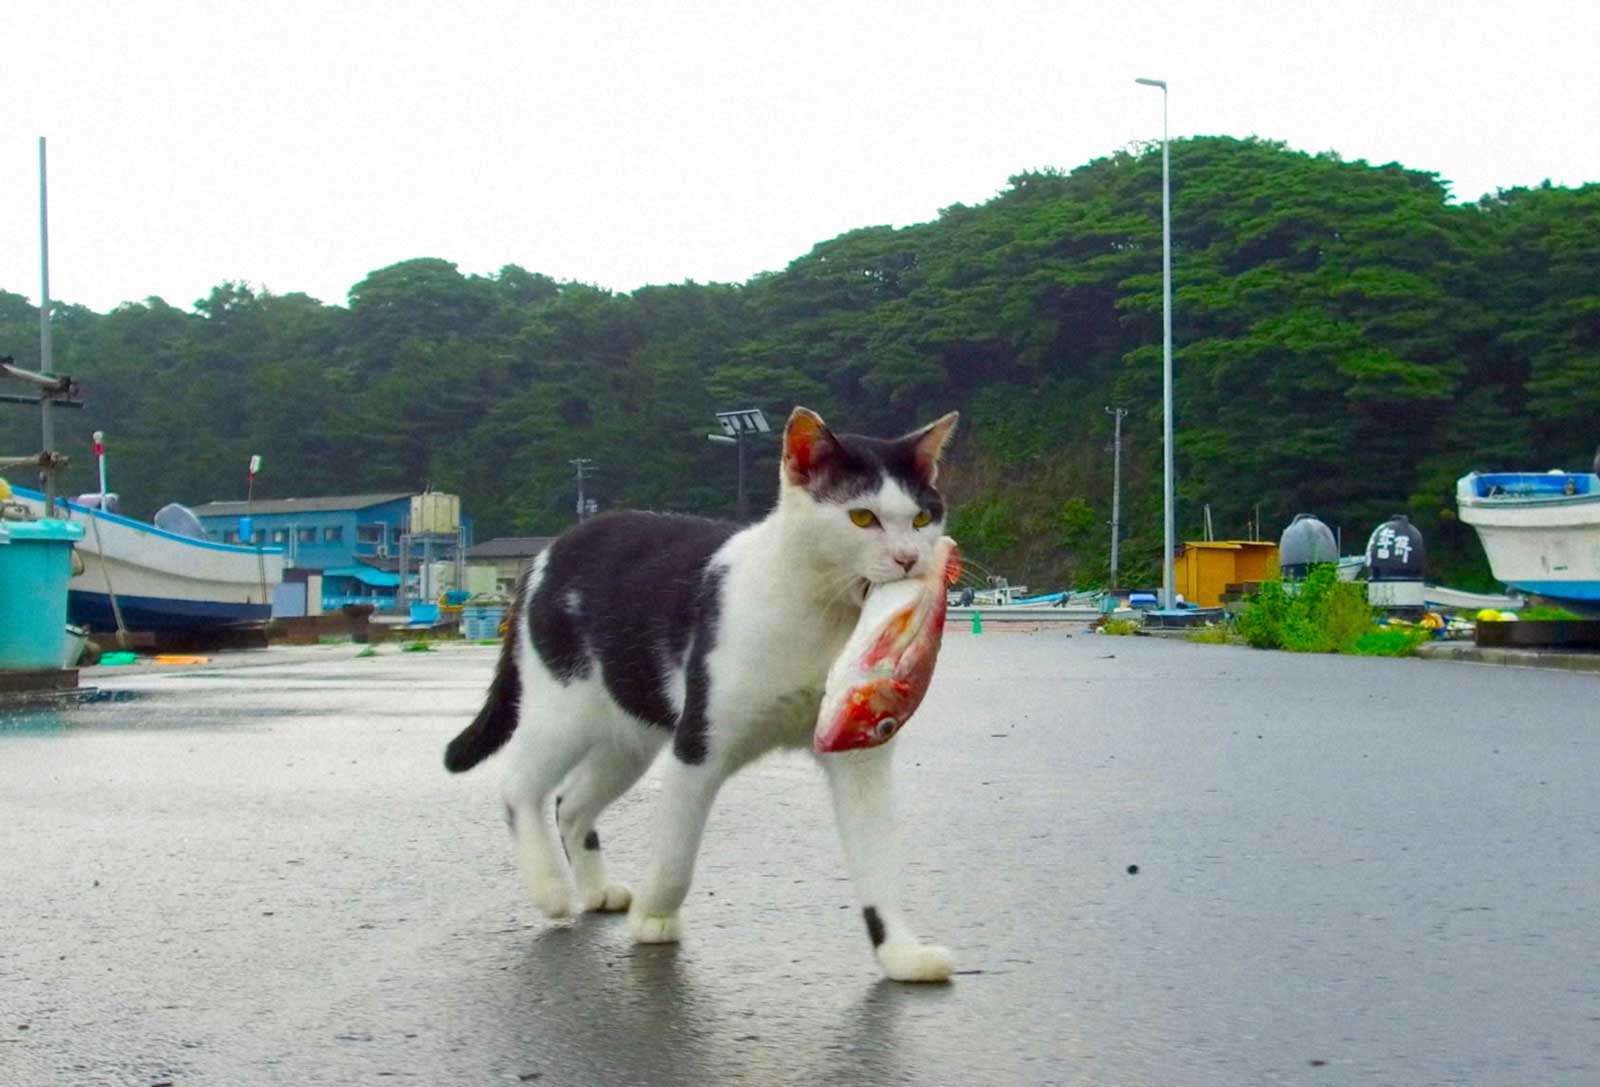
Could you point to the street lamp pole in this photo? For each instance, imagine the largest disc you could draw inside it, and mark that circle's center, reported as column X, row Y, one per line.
column 1116, row 490
column 1169, row 534
column 741, row 507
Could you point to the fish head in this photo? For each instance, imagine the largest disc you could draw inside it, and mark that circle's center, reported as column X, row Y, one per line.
column 869, row 714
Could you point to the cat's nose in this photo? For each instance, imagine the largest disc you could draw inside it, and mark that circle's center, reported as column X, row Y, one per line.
column 906, row 559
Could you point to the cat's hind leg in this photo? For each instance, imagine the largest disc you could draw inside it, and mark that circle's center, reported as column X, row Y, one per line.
column 687, row 792
column 555, row 732
column 605, row 773
column 860, row 782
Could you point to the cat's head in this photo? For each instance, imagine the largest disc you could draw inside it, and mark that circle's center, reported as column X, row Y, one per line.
column 868, row 506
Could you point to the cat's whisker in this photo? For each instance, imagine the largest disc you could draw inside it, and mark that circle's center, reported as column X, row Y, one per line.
column 845, row 591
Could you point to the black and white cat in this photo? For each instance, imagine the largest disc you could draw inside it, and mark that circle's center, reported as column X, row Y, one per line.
column 634, row 630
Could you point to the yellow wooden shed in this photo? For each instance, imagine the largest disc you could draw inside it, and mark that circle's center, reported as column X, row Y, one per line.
column 1204, row 569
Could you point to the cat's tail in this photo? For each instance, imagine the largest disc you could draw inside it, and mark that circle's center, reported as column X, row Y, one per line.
column 498, row 719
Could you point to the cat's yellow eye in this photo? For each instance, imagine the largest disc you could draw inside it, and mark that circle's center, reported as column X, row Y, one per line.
column 922, row 520
column 863, row 518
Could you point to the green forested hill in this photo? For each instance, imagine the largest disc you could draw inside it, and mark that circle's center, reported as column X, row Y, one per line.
column 1348, row 343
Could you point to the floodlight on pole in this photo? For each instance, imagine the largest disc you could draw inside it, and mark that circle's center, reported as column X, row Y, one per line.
column 735, row 425
column 1169, row 533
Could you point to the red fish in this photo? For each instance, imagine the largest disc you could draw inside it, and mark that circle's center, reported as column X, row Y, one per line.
column 878, row 682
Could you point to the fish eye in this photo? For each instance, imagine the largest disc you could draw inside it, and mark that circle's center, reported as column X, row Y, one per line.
column 922, row 520
column 863, row 518
column 886, row 726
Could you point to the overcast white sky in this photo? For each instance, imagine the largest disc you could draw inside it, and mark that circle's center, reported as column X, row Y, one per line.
column 298, row 146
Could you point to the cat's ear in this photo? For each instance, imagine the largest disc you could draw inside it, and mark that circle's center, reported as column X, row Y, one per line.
column 808, row 446
column 929, row 443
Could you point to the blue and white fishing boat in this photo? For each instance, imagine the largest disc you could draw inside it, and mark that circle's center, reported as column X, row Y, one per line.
column 161, row 580
column 138, row 576
column 1541, row 531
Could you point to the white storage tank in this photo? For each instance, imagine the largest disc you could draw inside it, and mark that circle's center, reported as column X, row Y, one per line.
column 434, row 513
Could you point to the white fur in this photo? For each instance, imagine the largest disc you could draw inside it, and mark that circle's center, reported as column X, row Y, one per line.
column 798, row 578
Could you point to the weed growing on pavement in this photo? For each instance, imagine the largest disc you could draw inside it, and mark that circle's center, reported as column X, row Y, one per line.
column 1390, row 641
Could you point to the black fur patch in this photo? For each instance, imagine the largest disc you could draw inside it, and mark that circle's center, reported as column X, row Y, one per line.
column 624, row 591
column 874, row 925
column 558, row 636
column 497, row 720
column 560, row 837
column 860, row 464
column 591, row 841
column 689, row 739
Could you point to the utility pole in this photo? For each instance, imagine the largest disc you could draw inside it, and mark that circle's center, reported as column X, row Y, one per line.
column 1116, row 489
column 584, row 467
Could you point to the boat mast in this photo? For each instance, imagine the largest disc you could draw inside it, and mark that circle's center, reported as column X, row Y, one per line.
column 47, row 476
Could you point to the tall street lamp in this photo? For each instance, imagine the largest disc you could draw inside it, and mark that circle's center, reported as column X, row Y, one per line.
column 1169, row 533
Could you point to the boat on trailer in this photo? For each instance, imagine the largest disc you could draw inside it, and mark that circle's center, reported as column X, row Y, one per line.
column 162, row 581
column 1540, row 530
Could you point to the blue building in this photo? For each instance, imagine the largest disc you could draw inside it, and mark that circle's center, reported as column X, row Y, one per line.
column 353, row 541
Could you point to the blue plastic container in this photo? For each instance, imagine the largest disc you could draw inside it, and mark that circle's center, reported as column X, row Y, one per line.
column 480, row 622
column 35, row 566
column 425, row 613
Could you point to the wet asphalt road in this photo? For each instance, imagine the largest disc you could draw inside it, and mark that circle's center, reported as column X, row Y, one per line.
column 1349, row 871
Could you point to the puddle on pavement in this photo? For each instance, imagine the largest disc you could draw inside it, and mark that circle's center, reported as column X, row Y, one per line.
column 135, row 710
column 51, row 713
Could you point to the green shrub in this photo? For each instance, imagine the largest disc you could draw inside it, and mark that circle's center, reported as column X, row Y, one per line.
column 1120, row 626
column 1211, row 634
column 1318, row 615
column 1264, row 618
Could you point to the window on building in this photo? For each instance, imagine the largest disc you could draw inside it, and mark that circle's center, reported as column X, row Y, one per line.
column 308, row 535
column 333, row 534
column 280, row 535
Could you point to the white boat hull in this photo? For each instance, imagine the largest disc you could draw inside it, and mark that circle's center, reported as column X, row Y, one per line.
column 162, row 581
column 1540, row 541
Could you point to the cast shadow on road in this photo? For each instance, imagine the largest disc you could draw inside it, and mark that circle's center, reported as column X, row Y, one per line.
column 589, row 999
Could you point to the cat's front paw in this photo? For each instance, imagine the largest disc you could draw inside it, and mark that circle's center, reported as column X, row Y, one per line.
column 916, row 962
column 654, row 928
column 612, row 898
